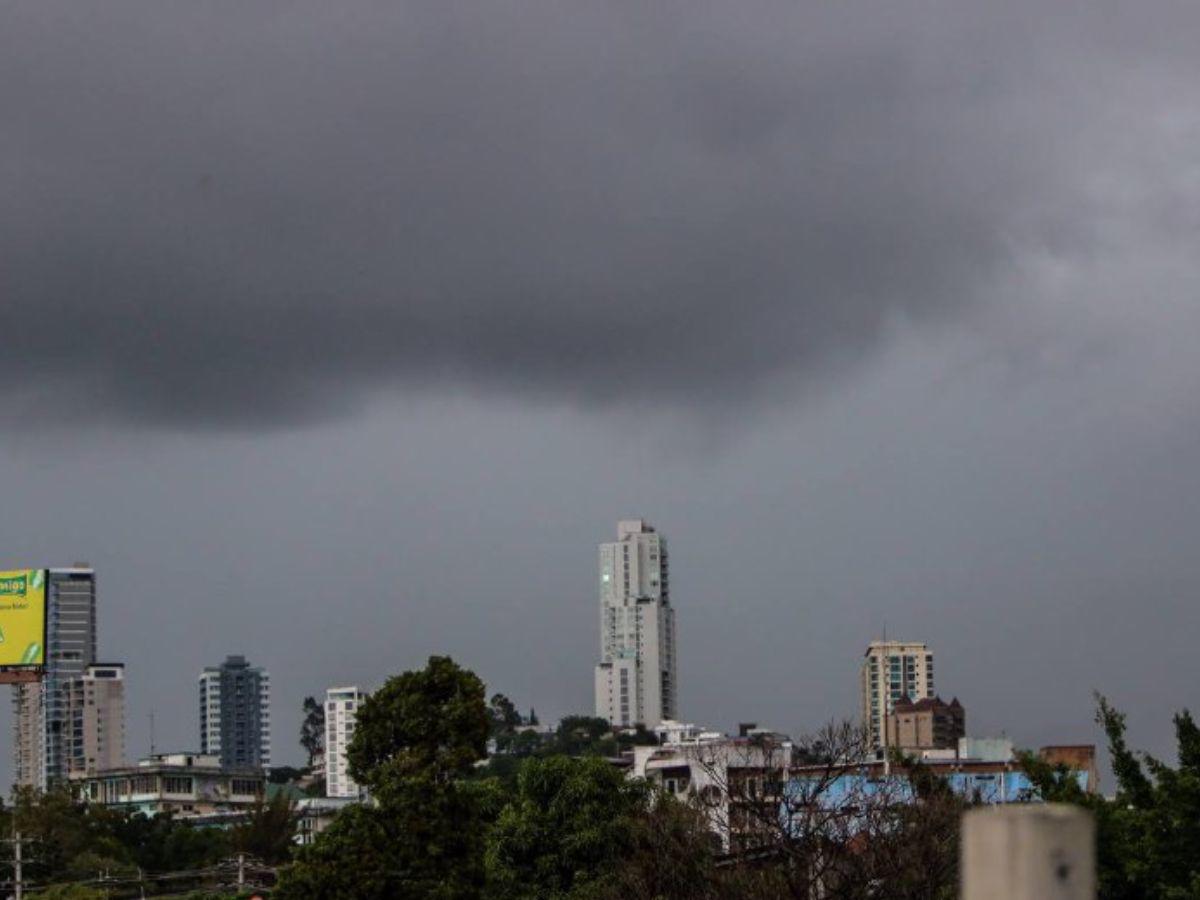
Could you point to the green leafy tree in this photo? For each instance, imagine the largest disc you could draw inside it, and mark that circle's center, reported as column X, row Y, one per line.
column 503, row 715
column 526, row 743
column 431, row 723
column 504, row 720
column 162, row 843
column 312, row 728
column 352, row 858
column 571, row 823
column 69, row 892
column 671, row 855
column 268, row 831
column 74, row 841
column 316, row 788
column 503, row 769
column 1148, row 836
column 1152, row 830
column 639, row 737
column 284, row 774
column 584, row 736
column 415, row 745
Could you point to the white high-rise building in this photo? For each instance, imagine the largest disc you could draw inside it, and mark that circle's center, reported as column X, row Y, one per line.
column 341, row 712
column 890, row 671
column 635, row 680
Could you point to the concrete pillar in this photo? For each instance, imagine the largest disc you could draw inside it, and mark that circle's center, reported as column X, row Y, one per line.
column 1029, row 852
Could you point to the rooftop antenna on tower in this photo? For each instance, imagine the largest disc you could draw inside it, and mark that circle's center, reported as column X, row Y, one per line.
column 152, row 732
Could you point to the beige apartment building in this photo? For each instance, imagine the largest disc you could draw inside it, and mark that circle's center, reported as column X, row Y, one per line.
column 892, row 671
column 92, row 733
column 95, row 720
column 29, row 732
column 929, row 724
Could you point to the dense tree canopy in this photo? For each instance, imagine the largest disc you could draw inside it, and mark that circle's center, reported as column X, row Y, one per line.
column 503, row 715
column 570, row 823
column 312, row 728
column 267, row 832
column 70, row 842
column 416, row 740
column 1148, row 836
column 430, row 723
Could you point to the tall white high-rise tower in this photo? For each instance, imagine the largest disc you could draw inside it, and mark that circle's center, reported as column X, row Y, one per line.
column 341, row 712
column 635, row 680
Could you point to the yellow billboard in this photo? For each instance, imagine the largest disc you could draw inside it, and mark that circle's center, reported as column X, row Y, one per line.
column 23, row 618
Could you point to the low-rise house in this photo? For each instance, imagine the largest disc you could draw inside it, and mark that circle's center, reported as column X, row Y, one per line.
column 981, row 770
column 671, row 732
column 738, row 781
column 189, row 785
column 752, row 786
column 315, row 814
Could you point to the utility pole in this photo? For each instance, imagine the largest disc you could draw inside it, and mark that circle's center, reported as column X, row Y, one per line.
column 241, row 870
column 18, row 886
column 18, row 861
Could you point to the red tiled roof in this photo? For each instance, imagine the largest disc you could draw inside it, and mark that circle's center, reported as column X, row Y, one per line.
column 904, row 704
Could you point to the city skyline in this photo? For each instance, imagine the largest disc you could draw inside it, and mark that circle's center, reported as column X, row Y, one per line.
column 340, row 338
column 633, row 574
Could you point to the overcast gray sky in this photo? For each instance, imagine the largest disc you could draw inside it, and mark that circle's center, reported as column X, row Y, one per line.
column 338, row 335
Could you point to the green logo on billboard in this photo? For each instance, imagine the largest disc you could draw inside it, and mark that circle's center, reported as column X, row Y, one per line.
column 14, row 585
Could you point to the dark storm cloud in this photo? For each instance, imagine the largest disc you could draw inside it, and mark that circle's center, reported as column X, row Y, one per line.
column 227, row 212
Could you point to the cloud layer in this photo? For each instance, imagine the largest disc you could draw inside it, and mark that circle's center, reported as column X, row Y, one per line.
column 223, row 214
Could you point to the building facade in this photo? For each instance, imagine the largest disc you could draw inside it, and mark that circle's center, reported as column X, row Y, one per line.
column 188, row 785
column 981, row 771
column 928, row 724
column 891, row 671
column 235, row 714
column 748, row 786
column 29, row 736
column 734, row 781
column 41, row 731
column 635, row 681
column 96, row 720
column 341, row 711
column 315, row 814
